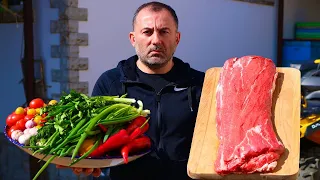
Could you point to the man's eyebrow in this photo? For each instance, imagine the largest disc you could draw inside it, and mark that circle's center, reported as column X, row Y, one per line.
column 161, row 29
column 146, row 28
column 164, row 28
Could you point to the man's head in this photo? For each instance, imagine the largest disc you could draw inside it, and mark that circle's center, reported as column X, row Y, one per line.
column 155, row 34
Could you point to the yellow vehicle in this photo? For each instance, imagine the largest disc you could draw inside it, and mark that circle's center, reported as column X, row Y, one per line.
column 310, row 118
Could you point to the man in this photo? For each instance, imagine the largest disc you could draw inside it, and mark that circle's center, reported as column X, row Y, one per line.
column 168, row 87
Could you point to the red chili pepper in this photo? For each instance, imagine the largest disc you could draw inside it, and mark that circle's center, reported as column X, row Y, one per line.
column 134, row 146
column 114, row 142
column 104, row 129
column 139, row 130
column 137, row 122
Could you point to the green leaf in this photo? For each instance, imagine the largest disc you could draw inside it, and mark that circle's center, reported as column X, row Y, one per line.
column 80, row 114
column 59, row 128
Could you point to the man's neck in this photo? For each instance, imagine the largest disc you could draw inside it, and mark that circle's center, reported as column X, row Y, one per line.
column 163, row 70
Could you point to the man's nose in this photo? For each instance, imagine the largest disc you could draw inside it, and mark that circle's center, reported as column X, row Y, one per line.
column 156, row 39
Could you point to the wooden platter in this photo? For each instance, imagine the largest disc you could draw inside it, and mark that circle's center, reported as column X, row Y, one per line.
column 101, row 162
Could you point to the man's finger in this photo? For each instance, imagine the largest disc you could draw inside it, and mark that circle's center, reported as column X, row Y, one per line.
column 96, row 172
column 60, row 166
column 77, row 171
column 88, row 171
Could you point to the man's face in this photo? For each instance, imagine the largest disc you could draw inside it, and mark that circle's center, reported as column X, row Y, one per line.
column 155, row 37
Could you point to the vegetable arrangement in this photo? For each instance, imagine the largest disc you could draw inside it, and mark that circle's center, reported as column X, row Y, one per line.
column 79, row 126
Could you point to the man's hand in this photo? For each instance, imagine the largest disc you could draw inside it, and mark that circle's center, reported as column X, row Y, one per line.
column 86, row 171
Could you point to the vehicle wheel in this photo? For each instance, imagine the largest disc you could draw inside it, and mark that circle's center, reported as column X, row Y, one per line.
column 309, row 160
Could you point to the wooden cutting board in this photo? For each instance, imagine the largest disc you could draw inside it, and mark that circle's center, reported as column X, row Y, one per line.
column 286, row 100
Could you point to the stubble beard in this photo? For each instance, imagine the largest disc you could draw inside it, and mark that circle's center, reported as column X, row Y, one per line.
column 154, row 61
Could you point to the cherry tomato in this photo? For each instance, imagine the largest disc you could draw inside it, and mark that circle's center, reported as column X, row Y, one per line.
column 44, row 115
column 21, row 124
column 16, row 117
column 38, row 111
column 37, row 119
column 26, row 110
column 38, row 126
column 31, row 112
column 19, row 110
column 36, row 103
column 28, row 117
column 9, row 121
column 42, row 121
column 52, row 102
column 13, row 128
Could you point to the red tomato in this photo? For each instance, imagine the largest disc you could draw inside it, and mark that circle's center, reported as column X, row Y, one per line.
column 13, row 128
column 26, row 110
column 9, row 121
column 42, row 122
column 36, row 103
column 44, row 115
column 28, row 117
column 16, row 117
column 21, row 124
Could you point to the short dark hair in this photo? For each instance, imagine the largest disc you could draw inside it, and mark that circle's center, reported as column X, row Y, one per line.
column 156, row 7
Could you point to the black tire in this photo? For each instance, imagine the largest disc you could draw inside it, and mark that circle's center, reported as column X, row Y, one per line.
column 309, row 160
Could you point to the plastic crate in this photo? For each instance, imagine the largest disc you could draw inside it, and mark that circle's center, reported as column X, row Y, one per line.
column 296, row 50
column 315, row 50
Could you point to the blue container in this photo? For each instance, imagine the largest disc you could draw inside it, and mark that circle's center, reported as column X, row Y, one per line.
column 315, row 50
column 296, row 50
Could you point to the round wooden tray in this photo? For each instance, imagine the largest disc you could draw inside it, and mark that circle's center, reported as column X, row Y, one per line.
column 102, row 162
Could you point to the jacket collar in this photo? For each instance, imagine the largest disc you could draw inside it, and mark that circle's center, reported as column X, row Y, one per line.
column 128, row 71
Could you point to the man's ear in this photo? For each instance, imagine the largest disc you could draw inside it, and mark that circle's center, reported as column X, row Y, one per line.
column 132, row 38
column 178, row 37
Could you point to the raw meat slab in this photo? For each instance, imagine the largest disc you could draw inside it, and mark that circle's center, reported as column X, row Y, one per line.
column 286, row 111
column 248, row 141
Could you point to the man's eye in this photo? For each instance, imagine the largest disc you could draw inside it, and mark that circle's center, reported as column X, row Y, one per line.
column 146, row 32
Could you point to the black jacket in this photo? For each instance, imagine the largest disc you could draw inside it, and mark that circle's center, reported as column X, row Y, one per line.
column 173, row 115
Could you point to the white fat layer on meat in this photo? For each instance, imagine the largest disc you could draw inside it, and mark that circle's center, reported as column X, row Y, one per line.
column 267, row 167
column 223, row 164
column 220, row 91
column 252, row 131
column 238, row 64
column 274, row 83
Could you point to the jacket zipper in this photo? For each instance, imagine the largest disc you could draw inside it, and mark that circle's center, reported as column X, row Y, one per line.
column 158, row 97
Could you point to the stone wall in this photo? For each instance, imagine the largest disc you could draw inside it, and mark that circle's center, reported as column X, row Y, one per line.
column 67, row 52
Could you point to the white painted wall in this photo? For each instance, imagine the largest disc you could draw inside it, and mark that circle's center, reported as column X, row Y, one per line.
column 299, row 11
column 212, row 31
